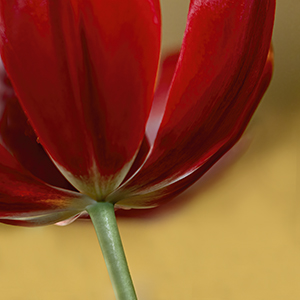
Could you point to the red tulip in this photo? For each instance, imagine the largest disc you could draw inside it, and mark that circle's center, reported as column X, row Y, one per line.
column 84, row 72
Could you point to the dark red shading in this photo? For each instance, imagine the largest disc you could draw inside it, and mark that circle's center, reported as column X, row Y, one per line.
column 27, row 201
column 168, row 192
column 211, row 99
column 84, row 72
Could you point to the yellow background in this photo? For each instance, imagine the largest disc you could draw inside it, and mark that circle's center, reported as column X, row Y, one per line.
column 233, row 237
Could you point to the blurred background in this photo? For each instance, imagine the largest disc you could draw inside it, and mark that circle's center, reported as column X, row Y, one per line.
column 233, row 236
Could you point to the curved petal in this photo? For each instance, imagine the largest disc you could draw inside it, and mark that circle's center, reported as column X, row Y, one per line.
column 41, row 219
column 222, row 59
column 166, row 73
column 24, row 200
column 84, row 71
column 157, row 110
column 20, row 139
column 167, row 193
column 140, row 158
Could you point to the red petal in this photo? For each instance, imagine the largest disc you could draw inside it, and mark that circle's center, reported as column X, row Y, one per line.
column 157, row 110
column 222, row 59
column 140, row 158
column 20, row 139
column 84, row 72
column 7, row 160
column 161, row 95
column 167, row 193
column 24, row 200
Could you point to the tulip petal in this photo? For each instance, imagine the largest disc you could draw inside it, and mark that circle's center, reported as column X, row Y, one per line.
column 26, row 201
column 157, row 110
column 222, row 59
column 84, row 72
column 20, row 139
column 168, row 192
column 140, row 158
column 161, row 95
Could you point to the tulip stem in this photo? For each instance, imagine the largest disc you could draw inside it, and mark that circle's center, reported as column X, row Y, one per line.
column 104, row 220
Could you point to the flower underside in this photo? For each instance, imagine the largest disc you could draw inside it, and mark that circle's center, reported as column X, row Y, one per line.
column 84, row 119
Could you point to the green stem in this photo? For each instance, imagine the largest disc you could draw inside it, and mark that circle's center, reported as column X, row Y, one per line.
column 104, row 220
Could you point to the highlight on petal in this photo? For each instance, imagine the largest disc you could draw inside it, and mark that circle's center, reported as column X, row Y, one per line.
column 166, row 73
column 168, row 192
column 82, row 215
column 26, row 201
column 84, row 72
column 140, row 158
column 211, row 99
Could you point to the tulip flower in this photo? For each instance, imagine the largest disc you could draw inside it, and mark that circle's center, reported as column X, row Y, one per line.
column 83, row 128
